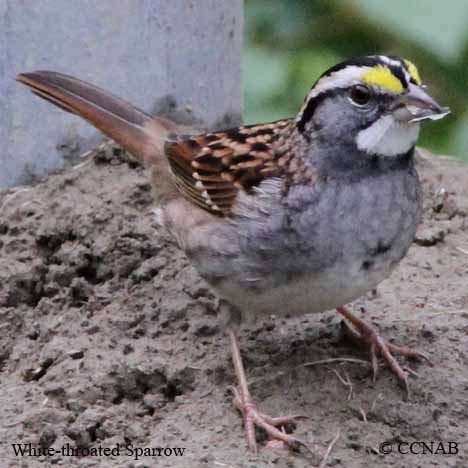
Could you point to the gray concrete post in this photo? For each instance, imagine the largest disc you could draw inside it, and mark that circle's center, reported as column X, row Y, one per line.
column 154, row 53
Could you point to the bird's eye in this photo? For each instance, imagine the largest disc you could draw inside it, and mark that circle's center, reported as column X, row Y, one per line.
column 360, row 95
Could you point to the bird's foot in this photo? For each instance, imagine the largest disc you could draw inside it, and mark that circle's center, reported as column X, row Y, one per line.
column 255, row 418
column 366, row 336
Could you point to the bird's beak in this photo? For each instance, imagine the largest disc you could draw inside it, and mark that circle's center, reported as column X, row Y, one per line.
column 416, row 105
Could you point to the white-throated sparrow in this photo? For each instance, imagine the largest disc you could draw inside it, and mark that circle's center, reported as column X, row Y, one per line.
column 294, row 216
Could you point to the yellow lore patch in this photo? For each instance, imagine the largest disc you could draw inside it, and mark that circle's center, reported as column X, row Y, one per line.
column 380, row 75
column 413, row 71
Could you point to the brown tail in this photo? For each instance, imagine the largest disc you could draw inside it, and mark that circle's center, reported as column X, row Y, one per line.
column 135, row 130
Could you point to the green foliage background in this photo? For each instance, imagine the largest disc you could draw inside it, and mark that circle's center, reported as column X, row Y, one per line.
column 289, row 43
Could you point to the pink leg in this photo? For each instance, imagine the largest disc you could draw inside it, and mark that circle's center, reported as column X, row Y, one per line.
column 252, row 416
column 366, row 336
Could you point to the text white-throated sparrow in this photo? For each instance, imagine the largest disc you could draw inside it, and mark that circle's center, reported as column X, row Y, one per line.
column 295, row 216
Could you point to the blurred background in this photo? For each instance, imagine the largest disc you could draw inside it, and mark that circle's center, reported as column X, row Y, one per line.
column 289, row 43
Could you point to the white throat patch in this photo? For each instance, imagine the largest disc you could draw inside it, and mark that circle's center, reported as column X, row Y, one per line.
column 388, row 137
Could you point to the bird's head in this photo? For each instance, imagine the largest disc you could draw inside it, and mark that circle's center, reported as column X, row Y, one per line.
column 373, row 103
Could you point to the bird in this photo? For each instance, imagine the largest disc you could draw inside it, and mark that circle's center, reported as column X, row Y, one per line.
column 296, row 216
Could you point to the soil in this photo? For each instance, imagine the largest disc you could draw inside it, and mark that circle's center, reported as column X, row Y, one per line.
column 109, row 336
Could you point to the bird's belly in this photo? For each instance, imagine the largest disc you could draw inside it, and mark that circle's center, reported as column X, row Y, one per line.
column 308, row 293
column 316, row 253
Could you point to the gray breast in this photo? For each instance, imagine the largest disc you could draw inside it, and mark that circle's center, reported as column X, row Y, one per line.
column 312, row 249
column 332, row 237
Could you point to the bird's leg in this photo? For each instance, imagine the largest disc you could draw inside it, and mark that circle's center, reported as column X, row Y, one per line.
column 252, row 416
column 367, row 336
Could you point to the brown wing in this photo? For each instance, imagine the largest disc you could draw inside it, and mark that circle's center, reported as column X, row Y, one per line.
column 211, row 169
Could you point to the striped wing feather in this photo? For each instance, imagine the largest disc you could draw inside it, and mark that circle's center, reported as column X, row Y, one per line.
column 211, row 169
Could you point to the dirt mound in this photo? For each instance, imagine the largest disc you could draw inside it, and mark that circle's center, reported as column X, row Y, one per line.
column 111, row 340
